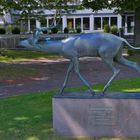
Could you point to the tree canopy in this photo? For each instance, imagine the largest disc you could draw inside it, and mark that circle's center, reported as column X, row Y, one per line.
column 121, row 5
column 27, row 7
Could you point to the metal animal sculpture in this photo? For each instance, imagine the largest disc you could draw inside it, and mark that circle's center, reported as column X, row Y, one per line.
column 107, row 46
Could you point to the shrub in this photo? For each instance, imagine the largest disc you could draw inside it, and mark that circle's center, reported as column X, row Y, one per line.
column 131, row 52
column 114, row 30
column 121, row 32
column 54, row 30
column 66, row 30
column 78, row 30
column 107, row 28
column 16, row 30
column 2, row 31
column 45, row 32
column 9, row 29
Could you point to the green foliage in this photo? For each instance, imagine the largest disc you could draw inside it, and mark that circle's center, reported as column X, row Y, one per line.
column 9, row 29
column 114, row 29
column 121, row 32
column 2, row 31
column 34, row 7
column 66, row 30
column 95, row 4
column 122, row 5
column 54, row 30
column 78, row 30
column 130, row 52
column 45, row 32
column 16, row 30
column 107, row 28
column 125, row 5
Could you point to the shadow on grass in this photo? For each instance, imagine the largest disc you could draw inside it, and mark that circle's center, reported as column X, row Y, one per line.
column 29, row 117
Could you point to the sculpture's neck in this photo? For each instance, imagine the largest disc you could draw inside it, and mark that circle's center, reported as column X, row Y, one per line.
column 54, row 47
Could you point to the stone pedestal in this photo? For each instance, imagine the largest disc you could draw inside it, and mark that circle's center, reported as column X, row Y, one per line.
column 116, row 114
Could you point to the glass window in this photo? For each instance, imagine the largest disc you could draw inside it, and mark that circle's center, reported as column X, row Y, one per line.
column 70, row 23
column 130, row 24
column 113, row 21
column 105, row 21
column 32, row 24
column 51, row 22
column 59, row 23
column 24, row 25
column 43, row 23
column 78, row 23
column 97, row 23
column 86, row 23
column 123, row 21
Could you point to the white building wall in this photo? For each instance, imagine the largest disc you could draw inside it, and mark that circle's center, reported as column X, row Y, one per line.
column 91, row 23
column 38, row 24
column 119, row 22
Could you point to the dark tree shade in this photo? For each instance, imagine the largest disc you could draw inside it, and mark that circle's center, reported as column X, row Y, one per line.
column 122, row 5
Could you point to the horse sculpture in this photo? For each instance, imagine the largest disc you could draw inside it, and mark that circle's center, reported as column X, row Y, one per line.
column 107, row 46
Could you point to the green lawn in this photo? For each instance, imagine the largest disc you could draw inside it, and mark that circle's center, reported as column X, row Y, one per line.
column 29, row 117
column 23, row 55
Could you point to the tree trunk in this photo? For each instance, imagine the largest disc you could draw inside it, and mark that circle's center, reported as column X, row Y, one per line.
column 137, row 26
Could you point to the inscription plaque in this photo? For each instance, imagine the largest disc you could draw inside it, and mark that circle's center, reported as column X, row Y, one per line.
column 101, row 116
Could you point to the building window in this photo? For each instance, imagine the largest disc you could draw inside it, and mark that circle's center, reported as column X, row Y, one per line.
column 105, row 21
column 113, row 21
column 70, row 23
column 86, row 23
column 130, row 24
column 32, row 24
column 59, row 23
column 24, row 25
column 43, row 23
column 78, row 23
column 51, row 22
column 97, row 23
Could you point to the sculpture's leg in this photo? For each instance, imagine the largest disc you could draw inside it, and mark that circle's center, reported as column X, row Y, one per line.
column 76, row 69
column 115, row 71
column 66, row 78
column 129, row 63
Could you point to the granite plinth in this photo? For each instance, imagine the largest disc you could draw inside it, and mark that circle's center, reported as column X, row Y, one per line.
column 115, row 114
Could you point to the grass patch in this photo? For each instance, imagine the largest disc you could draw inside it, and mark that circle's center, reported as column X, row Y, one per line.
column 23, row 55
column 29, row 117
column 135, row 58
column 16, row 72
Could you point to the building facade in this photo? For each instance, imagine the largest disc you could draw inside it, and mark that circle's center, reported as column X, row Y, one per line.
column 86, row 20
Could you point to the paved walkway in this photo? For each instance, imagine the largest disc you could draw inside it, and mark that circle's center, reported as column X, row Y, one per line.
column 53, row 74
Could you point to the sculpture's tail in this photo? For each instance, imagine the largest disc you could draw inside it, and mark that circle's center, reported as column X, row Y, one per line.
column 129, row 45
